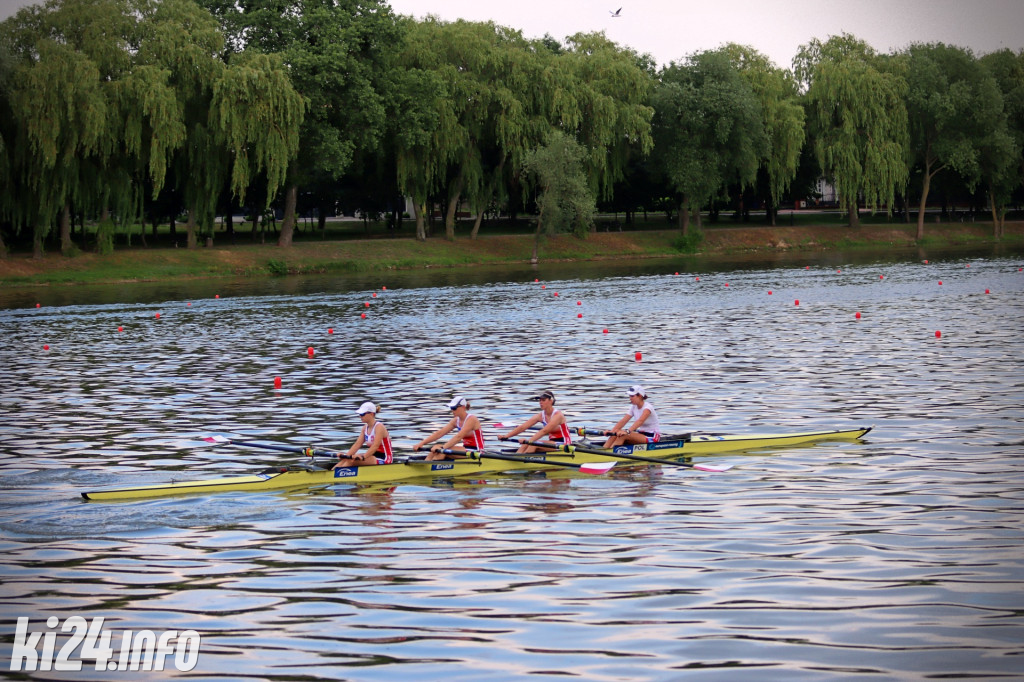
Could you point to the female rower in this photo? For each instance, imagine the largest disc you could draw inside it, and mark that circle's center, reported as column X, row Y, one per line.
column 552, row 424
column 645, row 427
column 374, row 437
column 469, row 434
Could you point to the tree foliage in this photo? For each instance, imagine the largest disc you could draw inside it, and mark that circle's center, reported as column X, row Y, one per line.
column 858, row 120
column 708, row 130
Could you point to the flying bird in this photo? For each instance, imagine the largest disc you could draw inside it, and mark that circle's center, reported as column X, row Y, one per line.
column 615, row 13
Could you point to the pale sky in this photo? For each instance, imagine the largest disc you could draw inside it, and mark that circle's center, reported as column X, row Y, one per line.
column 669, row 30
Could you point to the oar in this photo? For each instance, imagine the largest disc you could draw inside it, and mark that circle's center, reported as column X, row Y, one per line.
column 584, row 431
column 590, row 468
column 296, row 449
column 638, row 458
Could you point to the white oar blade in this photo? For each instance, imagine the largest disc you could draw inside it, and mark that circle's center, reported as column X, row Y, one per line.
column 216, row 439
column 597, row 469
column 716, row 469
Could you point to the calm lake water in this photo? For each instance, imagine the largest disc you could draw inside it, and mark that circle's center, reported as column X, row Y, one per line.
column 899, row 557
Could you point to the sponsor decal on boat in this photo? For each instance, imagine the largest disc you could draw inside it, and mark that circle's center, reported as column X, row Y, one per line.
column 346, row 472
column 666, row 445
column 443, row 466
column 89, row 641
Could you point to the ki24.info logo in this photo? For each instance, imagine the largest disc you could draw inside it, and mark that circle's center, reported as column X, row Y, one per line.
column 89, row 641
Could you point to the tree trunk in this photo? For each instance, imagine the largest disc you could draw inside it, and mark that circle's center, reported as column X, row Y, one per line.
column 3, row 248
column 997, row 227
column 37, row 242
column 453, row 205
column 322, row 223
column 854, row 213
column 190, row 229
column 697, row 217
column 684, row 217
column 924, row 200
column 291, row 197
column 536, row 239
column 421, row 229
column 66, row 244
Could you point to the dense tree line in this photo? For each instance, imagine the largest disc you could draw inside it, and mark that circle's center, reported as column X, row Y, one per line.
column 134, row 111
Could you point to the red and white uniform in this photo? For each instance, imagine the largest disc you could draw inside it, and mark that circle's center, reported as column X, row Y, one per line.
column 384, row 453
column 561, row 433
column 475, row 440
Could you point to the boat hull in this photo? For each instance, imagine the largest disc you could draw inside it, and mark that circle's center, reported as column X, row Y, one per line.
column 272, row 479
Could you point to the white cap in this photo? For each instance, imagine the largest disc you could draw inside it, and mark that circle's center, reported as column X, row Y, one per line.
column 456, row 401
column 636, row 389
column 365, row 408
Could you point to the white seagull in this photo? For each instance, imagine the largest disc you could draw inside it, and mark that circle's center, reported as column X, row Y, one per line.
column 615, row 13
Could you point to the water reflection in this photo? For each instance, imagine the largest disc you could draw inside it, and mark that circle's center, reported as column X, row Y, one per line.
column 898, row 557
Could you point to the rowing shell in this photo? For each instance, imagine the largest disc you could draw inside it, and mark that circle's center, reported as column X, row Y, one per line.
column 290, row 477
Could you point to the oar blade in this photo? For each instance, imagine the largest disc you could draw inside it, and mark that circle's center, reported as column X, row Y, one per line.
column 597, row 468
column 719, row 468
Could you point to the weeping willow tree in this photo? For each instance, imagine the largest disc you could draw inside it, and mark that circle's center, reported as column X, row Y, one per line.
column 599, row 94
column 257, row 114
column 67, row 57
column 781, row 115
column 239, row 119
column 858, row 120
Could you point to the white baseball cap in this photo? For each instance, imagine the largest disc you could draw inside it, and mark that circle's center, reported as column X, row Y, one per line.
column 456, row 401
column 365, row 408
column 636, row 389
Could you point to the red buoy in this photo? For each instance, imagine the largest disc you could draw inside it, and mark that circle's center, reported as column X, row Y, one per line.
column 556, row 293
column 217, row 296
column 696, row 279
column 543, row 286
column 857, row 316
column 47, row 347
column 940, row 282
column 881, row 277
column 579, row 302
column 796, row 302
column 189, row 304
column 38, row 304
column 986, row 291
column 367, row 304
column 363, row 315
column 726, row 284
column 638, row 356
column 938, row 334
column 579, row 314
column 310, row 352
column 769, row 292
column 375, row 294
column 330, row 330
column 277, row 382
column 158, row 316
column 604, row 331
column 121, row 329
column 383, row 288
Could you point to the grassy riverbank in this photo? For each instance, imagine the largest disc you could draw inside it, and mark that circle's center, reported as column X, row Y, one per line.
column 390, row 253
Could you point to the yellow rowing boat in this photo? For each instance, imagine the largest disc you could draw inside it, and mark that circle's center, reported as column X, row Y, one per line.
column 479, row 463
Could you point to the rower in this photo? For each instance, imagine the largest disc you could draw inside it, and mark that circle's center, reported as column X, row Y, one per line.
column 552, row 424
column 645, row 427
column 469, row 433
column 373, row 436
